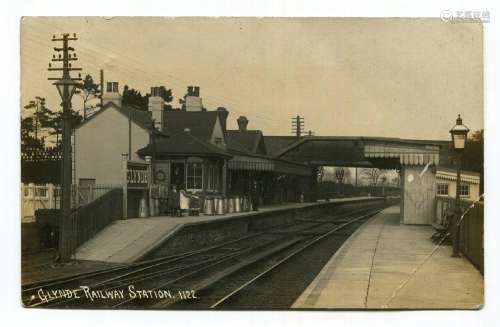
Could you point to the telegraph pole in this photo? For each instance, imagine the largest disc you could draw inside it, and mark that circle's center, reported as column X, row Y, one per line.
column 66, row 86
column 298, row 126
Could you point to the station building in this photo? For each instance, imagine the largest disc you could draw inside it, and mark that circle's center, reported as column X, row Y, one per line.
column 190, row 147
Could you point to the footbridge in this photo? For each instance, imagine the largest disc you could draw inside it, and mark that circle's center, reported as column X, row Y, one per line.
column 416, row 161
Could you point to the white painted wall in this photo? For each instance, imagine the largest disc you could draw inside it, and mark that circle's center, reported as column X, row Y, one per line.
column 99, row 144
column 452, row 188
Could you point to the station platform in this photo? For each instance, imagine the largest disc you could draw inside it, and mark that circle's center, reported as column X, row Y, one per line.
column 125, row 241
column 386, row 265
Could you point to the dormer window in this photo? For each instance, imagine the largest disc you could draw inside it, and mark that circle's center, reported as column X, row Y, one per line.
column 218, row 141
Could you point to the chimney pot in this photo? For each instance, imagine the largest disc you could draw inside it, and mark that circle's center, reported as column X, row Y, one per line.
column 155, row 106
column 242, row 123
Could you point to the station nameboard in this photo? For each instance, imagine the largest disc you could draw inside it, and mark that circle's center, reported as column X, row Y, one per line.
column 137, row 175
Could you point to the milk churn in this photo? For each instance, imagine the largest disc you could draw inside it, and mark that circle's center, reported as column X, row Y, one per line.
column 230, row 205
column 143, row 208
column 208, row 206
column 219, row 206
column 237, row 204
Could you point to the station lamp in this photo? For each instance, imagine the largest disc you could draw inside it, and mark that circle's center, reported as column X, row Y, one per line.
column 459, row 137
column 61, row 84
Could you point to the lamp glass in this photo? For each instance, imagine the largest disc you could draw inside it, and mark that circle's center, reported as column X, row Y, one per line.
column 459, row 134
column 60, row 88
column 459, row 141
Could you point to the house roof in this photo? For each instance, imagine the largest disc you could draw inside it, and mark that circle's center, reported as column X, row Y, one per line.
column 200, row 123
column 140, row 117
column 234, row 146
column 248, row 139
column 183, row 144
column 275, row 144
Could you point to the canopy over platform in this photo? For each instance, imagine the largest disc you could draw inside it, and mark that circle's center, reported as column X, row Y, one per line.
column 265, row 163
column 385, row 153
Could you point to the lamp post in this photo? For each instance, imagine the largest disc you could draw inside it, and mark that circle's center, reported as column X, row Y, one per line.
column 459, row 137
column 66, row 86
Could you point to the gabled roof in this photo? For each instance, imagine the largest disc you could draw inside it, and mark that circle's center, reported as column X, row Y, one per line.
column 140, row 117
column 183, row 144
column 275, row 144
column 249, row 139
column 201, row 123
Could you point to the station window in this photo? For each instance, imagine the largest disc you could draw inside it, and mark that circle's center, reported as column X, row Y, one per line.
column 464, row 190
column 213, row 177
column 442, row 189
column 194, row 176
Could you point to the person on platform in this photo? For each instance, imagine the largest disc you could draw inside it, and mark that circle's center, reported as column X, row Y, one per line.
column 254, row 195
column 184, row 202
column 173, row 202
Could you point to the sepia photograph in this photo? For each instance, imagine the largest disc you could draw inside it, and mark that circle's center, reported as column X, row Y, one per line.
column 252, row 163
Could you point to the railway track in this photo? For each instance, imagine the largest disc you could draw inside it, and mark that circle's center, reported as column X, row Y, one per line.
column 205, row 278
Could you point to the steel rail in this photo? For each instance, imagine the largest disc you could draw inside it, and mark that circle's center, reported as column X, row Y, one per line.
column 295, row 252
column 157, row 262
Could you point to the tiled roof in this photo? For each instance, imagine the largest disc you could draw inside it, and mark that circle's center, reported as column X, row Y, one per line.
column 138, row 116
column 183, row 144
column 275, row 144
column 201, row 123
column 234, row 146
column 248, row 139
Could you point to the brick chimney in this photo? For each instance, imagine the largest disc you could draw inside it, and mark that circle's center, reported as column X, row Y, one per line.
column 223, row 113
column 111, row 94
column 193, row 100
column 242, row 123
column 155, row 106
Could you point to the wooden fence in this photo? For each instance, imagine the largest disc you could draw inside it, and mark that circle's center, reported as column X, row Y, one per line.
column 47, row 196
column 471, row 227
column 35, row 197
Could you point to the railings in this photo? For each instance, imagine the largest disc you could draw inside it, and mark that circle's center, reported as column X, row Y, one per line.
column 91, row 218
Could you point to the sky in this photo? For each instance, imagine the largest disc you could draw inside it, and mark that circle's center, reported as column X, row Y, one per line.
column 398, row 77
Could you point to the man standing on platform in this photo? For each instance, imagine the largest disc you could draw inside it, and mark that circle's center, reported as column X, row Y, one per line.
column 254, row 195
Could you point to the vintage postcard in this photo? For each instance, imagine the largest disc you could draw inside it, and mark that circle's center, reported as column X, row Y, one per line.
column 252, row 163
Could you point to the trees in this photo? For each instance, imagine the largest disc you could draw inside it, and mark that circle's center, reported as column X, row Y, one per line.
column 37, row 125
column 55, row 126
column 88, row 90
column 134, row 97
column 339, row 174
column 371, row 175
column 36, row 119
